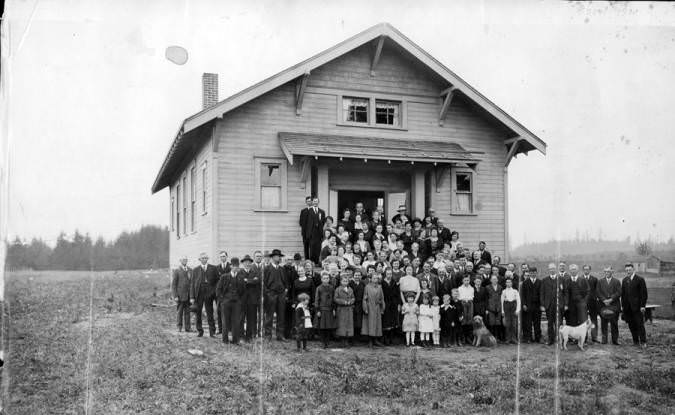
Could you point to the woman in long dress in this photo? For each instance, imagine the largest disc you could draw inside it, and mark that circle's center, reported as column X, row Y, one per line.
column 393, row 305
column 373, row 308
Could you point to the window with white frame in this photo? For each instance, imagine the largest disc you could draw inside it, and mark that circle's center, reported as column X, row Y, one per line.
column 178, row 210
column 388, row 113
column 193, row 197
column 270, row 182
column 463, row 190
column 355, row 109
column 171, row 215
column 204, row 187
column 185, row 191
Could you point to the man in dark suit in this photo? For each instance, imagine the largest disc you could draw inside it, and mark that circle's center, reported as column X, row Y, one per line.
column 577, row 297
column 230, row 290
column 530, row 300
column 276, row 295
column 303, row 223
column 552, row 300
column 609, row 294
column 223, row 268
column 203, row 292
column 180, row 287
column 633, row 302
column 592, row 303
column 251, row 301
column 313, row 229
column 481, row 255
column 443, row 232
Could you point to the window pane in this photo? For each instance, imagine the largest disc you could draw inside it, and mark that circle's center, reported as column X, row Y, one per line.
column 270, row 174
column 355, row 109
column 270, row 197
column 463, row 202
column 387, row 112
column 463, row 182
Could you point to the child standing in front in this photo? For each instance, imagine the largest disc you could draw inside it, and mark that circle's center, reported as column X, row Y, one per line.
column 436, row 320
column 410, row 310
column 510, row 308
column 323, row 304
column 303, row 321
column 465, row 295
column 426, row 324
column 344, row 300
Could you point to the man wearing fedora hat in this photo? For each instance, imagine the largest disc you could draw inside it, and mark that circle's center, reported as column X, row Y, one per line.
column 251, row 299
column 609, row 293
column 203, row 292
column 276, row 293
column 230, row 290
column 633, row 302
column 401, row 215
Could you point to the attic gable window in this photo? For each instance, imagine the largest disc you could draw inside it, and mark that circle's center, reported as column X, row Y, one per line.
column 387, row 113
column 355, row 109
column 371, row 110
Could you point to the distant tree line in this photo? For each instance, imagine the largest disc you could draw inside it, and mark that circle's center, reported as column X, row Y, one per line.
column 142, row 249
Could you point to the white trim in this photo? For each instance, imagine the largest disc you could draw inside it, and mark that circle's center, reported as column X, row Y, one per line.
column 372, row 103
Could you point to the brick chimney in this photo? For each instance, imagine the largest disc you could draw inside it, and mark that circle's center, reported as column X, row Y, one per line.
column 209, row 90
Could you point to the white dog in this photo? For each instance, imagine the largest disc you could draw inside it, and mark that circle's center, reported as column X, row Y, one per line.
column 580, row 332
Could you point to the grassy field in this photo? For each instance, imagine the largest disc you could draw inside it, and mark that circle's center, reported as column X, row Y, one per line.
column 127, row 358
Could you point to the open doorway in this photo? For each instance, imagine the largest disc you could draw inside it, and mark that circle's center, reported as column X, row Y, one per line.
column 349, row 198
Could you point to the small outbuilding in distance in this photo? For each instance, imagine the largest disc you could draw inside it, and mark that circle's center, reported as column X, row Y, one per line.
column 373, row 119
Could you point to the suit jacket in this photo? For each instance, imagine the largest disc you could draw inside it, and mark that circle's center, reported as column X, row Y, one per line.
column 275, row 280
column 485, row 258
column 252, row 285
column 443, row 287
column 230, row 287
column 553, row 291
column 204, row 282
column 223, row 270
column 303, row 220
column 577, row 291
column 592, row 292
column 609, row 291
column 180, row 283
column 530, row 294
column 633, row 293
column 313, row 228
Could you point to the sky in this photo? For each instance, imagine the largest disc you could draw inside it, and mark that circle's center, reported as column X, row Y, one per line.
column 91, row 104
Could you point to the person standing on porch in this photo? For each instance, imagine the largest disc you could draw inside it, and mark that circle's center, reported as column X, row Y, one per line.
column 359, row 210
column 303, row 222
column 313, row 229
column 402, row 215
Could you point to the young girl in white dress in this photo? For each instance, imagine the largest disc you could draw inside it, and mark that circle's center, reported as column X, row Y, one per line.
column 410, row 310
column 426, row 322
column 436, row 320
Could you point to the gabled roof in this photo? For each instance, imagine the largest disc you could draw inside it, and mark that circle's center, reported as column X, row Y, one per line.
column 304, row 67
column 328, row 145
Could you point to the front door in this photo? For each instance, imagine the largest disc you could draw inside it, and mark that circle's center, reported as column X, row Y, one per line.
column 347, row 199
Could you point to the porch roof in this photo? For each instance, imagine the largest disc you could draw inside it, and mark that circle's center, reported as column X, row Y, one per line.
column 341, row 146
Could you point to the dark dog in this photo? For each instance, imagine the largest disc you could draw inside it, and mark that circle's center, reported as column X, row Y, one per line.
column 481, row 335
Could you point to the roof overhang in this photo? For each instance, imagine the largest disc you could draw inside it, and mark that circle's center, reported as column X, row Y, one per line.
column 374, row 148
column 380, row 31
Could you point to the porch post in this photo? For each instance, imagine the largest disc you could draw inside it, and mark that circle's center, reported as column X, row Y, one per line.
column 322, row 186
column 418, row 193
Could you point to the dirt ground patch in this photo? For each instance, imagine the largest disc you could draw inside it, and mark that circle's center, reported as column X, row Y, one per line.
column 138, row 363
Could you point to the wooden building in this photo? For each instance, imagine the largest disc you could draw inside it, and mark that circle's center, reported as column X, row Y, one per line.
column 374, row 118
column 663, row 264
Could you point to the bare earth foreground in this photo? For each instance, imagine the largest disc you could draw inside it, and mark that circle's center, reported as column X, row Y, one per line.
column 126, row 357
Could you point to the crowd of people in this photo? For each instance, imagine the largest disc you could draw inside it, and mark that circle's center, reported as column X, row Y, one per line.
column 410, row 280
